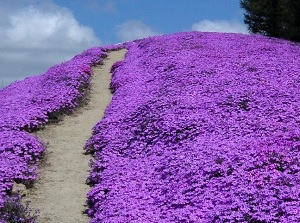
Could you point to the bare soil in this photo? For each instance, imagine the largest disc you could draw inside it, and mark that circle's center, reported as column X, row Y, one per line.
column 60, row 191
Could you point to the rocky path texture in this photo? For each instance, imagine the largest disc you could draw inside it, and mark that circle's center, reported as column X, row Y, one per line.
column 60, row 191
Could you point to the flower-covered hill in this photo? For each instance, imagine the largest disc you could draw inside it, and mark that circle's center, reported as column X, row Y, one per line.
column 28, row 105
column 203, row 127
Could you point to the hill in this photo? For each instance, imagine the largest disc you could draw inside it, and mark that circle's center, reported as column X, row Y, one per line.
column 202, row 127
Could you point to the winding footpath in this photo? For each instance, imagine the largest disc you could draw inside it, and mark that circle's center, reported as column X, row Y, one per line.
column 60, row 191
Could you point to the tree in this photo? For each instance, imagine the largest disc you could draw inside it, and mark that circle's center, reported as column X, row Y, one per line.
column 293, row 19
column 277, row 18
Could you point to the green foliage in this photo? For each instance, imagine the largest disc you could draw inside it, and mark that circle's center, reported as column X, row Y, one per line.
column 277, row 18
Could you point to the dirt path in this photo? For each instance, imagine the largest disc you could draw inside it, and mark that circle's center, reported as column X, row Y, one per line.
column 60, row 191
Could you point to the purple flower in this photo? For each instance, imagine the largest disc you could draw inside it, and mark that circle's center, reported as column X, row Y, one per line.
column 203, row 127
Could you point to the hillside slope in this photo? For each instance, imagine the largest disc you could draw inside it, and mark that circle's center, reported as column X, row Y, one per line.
column 202, row 127
column 27, row 106
column 61, row 186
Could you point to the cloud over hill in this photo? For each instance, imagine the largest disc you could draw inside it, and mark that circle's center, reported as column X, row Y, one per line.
column 134, row 29
column 42, row 34
column 223, row 26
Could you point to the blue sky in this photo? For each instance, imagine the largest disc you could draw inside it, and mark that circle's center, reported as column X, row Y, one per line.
column 161, row 16
column 37, row 34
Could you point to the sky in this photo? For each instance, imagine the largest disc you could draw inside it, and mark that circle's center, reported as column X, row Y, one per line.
column 37, row 34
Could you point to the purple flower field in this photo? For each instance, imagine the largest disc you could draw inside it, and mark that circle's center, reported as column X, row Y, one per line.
column 28, row 105
column 202, row 128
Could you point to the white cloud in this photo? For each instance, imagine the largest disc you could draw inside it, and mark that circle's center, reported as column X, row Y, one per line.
column 35, row 37
column 220, row 26
column 133, row 29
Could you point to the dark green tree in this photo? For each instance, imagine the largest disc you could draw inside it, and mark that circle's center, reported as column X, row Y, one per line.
column 293, row 19
column 277, row 18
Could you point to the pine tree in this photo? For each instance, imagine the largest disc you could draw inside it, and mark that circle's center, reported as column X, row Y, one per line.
column 277, row 18
column 262, row 16
column 294, row 19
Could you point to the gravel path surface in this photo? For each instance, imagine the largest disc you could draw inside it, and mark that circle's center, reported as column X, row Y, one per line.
column 60, row 191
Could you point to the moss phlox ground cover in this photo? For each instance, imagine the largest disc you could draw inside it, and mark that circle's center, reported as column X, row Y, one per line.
column 202, row 127
column 28, row 105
